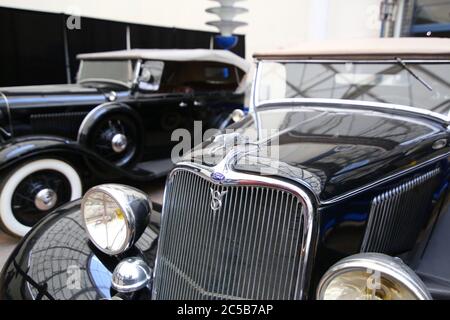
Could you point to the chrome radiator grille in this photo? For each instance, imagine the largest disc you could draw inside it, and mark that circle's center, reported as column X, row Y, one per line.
column 397, row 216
column 250, row 248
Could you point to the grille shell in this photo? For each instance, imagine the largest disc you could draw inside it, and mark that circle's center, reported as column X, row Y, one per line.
column 256, row 246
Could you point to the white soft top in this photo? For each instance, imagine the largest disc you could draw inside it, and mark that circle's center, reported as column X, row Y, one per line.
column 222, row 56
column 427, row 47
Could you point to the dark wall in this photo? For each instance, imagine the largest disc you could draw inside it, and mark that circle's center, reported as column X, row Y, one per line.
column 94, row 36
column 32, row 46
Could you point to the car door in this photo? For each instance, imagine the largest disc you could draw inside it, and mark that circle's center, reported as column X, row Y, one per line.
column 162, row 114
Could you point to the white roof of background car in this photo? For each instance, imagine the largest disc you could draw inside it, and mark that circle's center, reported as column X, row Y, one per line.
column 372, row 48
column 222, row 56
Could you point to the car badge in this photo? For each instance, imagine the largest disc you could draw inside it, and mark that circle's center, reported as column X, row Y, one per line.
column 216, row 199
column 217, row 176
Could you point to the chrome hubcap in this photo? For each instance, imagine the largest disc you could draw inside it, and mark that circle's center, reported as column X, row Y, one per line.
column 45, row 199
column 119, row 142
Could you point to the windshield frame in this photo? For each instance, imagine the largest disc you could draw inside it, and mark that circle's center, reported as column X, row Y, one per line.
column 256, row 103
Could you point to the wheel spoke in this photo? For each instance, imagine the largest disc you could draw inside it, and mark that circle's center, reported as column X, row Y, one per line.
column 102, row 146
column 122, row 128
column 21, row 196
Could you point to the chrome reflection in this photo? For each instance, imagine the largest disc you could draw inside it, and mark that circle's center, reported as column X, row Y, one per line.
column 115, row 216
column 130, row 275
column 105, row 221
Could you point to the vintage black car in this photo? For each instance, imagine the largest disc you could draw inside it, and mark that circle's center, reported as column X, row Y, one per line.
column 335, row 186
column 114, row 123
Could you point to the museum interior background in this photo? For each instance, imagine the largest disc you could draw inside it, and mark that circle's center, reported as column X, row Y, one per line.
column 37, row 48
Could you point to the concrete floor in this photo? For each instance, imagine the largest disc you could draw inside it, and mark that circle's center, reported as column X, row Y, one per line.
column 7, row 243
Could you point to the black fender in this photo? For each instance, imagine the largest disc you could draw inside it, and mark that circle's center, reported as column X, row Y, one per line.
column 23, row 148
column 102, row 111
column 56, row 259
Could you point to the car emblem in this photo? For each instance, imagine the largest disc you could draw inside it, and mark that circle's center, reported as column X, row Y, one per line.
column 217, row 176
column 216, row 199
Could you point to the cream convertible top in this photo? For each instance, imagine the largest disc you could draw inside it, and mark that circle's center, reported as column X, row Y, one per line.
column 221, row 56
column 434, row 48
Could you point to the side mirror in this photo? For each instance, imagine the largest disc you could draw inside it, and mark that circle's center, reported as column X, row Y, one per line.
column 150, row 76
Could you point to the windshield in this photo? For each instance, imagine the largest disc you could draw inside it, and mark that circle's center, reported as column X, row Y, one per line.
column 109, row 71
column 200, row 76
column 379, row 81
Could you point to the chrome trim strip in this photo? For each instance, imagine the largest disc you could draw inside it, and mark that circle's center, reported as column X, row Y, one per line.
column 137, row 71
column 253, row 95
column 234, row 178
column 377, row 106
column 383, row 180
column 374, row 61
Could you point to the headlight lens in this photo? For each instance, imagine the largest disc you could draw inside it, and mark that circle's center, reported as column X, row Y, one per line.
column 237, row 115
column 371, row 276
column 115, row 216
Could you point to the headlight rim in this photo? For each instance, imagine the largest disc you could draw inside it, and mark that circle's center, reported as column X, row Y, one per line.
column 391, row 267
column 117, row 192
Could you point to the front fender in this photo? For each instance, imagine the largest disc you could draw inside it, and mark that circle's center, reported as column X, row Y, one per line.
column 18, row 149
column 103, row 110
column 56, row 260
column 22, row 148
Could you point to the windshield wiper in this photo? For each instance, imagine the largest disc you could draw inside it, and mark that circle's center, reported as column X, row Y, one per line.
column 403, row 64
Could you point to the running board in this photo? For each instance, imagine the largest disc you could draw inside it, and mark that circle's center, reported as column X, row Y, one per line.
column 157, row 168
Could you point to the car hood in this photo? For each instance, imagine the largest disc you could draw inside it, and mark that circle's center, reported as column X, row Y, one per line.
column 332, row 150
column 48, row 95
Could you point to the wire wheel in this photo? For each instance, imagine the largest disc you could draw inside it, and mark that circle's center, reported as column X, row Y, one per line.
column 38, row 194
column 116, row 138
column 33, row 190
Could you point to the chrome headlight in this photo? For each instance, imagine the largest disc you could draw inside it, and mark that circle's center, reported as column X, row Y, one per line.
column 115, row 216
column 371, row 276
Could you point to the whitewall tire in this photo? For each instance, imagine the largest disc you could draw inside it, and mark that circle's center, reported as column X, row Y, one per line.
column 32, row 190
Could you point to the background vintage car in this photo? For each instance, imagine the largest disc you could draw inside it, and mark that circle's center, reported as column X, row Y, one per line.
column 115, row 123
column 350, row 177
